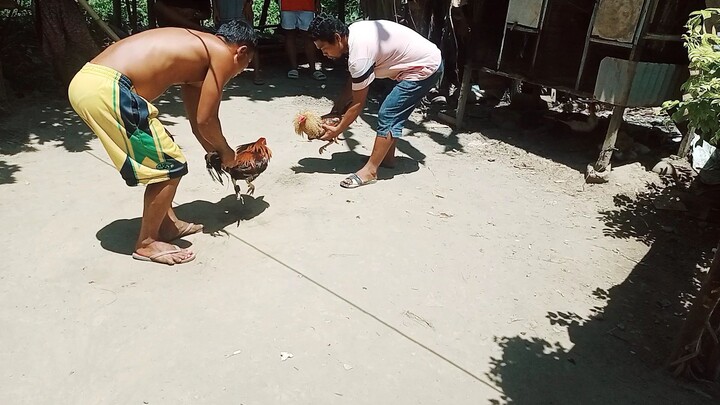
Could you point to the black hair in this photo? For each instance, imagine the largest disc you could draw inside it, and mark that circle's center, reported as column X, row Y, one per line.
column 324, row 27
column 238, row 32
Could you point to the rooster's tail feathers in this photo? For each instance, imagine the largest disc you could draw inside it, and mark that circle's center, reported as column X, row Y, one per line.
column 214, row 168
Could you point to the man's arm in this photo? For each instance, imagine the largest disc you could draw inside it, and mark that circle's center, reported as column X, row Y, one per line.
column 191, row 98
column 208, row 106
column 356, row 107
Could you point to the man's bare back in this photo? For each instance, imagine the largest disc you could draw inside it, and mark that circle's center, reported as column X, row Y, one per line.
column 201, row 63
column 156, row 59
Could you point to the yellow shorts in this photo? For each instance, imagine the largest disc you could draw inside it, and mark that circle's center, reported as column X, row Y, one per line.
column 127, row 126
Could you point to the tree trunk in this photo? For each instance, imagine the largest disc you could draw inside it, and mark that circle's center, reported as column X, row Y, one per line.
column 65, row 37
column 3, row 92
column 698, row 353
column 381, row 9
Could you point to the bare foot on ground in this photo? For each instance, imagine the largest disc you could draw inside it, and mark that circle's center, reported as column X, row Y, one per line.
column 170, row 231
column 165, row 253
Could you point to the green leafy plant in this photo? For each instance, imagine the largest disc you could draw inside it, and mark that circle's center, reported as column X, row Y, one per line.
column 104, row 8
column 700, row 105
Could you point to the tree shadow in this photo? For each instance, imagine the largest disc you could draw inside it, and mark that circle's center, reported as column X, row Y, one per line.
column 54, row 122
column 620, row 351
column 27, row 126
column 119, row 236
column 7, row 172
column 349, row 162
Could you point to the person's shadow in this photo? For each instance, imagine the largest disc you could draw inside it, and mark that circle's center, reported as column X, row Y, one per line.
column 119, row 236
column 349, row 162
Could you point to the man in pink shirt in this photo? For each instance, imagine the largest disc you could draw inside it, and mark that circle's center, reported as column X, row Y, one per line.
column 378, row 49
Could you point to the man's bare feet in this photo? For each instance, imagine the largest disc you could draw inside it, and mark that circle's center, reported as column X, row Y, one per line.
column 165, row 253
column 170, row 231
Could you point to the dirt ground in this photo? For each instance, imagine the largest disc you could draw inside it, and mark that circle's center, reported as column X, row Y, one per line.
column 481, row 270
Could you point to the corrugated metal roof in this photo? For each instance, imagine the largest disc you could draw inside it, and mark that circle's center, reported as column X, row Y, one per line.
column 653, row 83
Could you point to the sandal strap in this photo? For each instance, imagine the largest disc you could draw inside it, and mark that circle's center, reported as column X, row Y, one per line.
column 354, row 178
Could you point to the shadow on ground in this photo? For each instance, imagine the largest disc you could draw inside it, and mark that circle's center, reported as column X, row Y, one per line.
column 37, row 122
column 119, row 236
column 349, row 162
column 619, row 353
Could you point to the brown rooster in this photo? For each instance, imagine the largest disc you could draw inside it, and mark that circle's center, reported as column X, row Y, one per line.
column 310, row 124
column 251, row 160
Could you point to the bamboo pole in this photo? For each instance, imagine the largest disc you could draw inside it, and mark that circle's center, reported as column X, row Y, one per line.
column 99, row 20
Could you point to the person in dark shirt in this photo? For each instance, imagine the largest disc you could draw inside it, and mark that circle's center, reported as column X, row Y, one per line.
column 182, row 13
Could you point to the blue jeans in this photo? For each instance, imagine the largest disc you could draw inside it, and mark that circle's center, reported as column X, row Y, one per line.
column 401, row 102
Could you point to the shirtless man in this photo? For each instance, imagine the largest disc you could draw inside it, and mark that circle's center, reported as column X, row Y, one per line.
column 112, row 92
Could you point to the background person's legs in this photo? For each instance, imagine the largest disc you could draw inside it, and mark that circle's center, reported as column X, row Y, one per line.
column 291, row 50
column 311, row 54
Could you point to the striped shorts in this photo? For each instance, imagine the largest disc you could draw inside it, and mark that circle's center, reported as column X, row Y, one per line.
column 127, row 125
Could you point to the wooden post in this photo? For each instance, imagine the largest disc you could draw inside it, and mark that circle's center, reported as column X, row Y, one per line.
column 4, row 5
column 597, row 173
column 133, row 16
column 464, row 92
column 341, row 10
column 117, row 13
column 152, row 21
column 688, row 135
column 610, row 138
column 3, row 93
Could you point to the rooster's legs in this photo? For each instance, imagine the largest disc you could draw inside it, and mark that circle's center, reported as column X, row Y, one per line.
column 237, row 189
column 322, row 148
column 251, row 187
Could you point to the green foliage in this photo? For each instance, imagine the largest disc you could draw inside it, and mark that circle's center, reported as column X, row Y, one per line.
column 700, row 105
column 104, row 8
column 273, row 15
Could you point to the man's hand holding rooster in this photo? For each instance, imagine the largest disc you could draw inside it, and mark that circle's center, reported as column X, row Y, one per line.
column 228, row 157
column 331, row 132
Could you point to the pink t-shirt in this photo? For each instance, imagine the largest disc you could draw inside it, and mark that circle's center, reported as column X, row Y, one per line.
column 385, row 49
